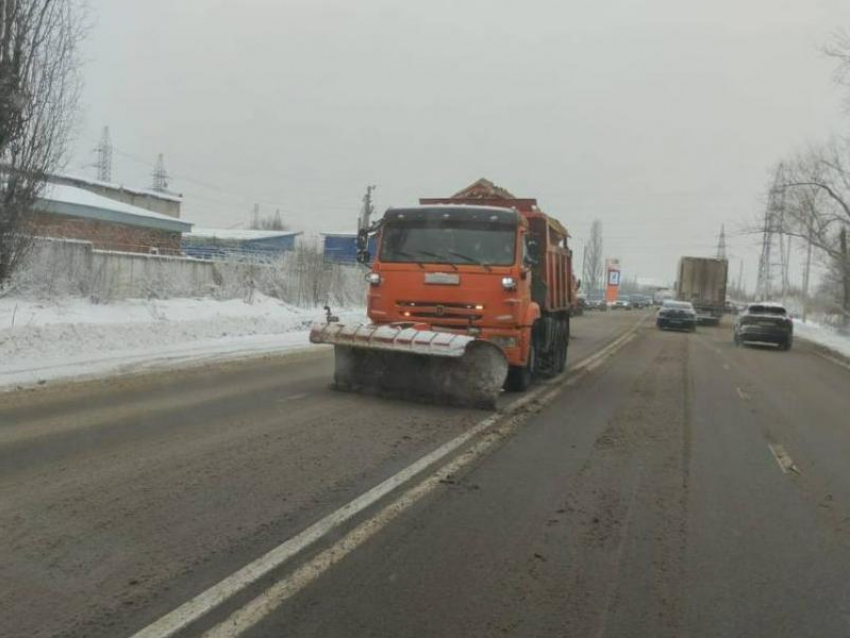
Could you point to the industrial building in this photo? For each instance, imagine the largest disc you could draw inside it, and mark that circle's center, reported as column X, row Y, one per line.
column 221, row 243
column 341, row 248
column 67, row 211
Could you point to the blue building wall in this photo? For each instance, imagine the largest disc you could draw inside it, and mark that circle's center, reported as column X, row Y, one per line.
column 342, row 249
column 211, row 248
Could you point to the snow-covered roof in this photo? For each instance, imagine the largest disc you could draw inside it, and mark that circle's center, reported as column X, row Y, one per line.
column 61, row 199
column 238, row 234
column 166, row 195
column 349, row 233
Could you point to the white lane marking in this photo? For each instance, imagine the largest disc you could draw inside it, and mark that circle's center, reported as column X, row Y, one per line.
column 261, row 606
column 832, row 359
column 744, row 396
column 725, row 366
column 782, row 458
column 265, row 603
column 292, row 397
column 206, row 601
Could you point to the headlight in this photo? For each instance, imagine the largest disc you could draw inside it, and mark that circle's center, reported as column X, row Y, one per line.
column 373, row 278
column 508, row 283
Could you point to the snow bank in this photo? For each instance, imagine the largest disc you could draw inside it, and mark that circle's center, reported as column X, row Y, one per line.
column 824, row 336
column 41, row 341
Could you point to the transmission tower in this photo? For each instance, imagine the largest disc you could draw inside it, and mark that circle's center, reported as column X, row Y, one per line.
column 104, row 157
column 160, row 176
column 775, row 244
column 721, row 243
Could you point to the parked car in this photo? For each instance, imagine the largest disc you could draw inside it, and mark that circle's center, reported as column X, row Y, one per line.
column 764, row 323
column 621, row 304
column 596, row 303
column 676, row 315
column 640, row 301
column 581, row 306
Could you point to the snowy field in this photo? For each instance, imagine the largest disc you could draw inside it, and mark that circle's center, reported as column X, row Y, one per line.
column 43, row 341
column 823, row 336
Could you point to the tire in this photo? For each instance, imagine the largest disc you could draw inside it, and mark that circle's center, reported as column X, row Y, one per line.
column 520, row 377
column 563, row 350
column 786, row 345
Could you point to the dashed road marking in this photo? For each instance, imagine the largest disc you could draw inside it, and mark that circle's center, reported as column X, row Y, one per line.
column 292, row 397
column 744, row 396
column 786, row 463
column 491, row 430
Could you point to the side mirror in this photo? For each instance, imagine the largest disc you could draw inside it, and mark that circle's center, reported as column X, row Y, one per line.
column 578, row 284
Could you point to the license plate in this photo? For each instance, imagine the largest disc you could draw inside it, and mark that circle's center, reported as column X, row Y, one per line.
column 442, row 278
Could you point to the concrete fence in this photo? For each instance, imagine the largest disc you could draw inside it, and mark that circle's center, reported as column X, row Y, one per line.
column 300, row 277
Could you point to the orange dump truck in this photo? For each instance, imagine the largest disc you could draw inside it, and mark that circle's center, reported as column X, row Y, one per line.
column 467, row 294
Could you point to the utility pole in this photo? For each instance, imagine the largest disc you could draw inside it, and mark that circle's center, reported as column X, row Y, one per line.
column 584, row 276
column 806, row 274
column 104, row 157
column 364, row 225
column 741, row 277
column 845, row 274
column 160, row 176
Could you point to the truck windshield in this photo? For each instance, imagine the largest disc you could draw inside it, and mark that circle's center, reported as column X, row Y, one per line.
column 456, row 243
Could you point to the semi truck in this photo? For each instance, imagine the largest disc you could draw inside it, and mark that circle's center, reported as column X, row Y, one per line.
column 702, row 281
column 466, row 295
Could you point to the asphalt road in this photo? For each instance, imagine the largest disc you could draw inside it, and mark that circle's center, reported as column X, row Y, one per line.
column 679, row 487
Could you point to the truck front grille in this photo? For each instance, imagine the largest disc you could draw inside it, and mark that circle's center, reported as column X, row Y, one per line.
column 448, row 310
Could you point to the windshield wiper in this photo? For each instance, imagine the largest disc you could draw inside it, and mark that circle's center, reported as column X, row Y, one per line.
column 412, row 258
column 470, row 259
column 436, row 256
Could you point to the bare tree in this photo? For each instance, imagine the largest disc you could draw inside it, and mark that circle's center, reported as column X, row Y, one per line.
column 816, row 208
column 593, row 259
column 839, row 50
column 39, row 89
column 269, row 222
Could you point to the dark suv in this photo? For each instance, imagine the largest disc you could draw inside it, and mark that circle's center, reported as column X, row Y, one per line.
column 764, row 323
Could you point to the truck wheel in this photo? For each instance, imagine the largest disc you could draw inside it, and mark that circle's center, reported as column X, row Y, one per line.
column 520, row 377
column 563, row 349
column 786, row 345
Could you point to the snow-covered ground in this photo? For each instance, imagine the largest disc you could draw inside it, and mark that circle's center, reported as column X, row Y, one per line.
column 824, row 336
column 42, row 341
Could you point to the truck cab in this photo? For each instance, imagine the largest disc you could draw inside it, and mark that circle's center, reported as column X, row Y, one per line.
column 456, row 268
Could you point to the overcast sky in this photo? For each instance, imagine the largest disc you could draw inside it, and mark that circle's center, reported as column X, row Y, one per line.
column 661, row 118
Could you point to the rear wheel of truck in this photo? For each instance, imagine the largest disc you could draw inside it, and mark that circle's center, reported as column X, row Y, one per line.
column 520, row 377
column 564, row 347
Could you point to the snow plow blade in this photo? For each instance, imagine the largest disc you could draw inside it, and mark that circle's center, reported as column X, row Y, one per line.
column 400, row 360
